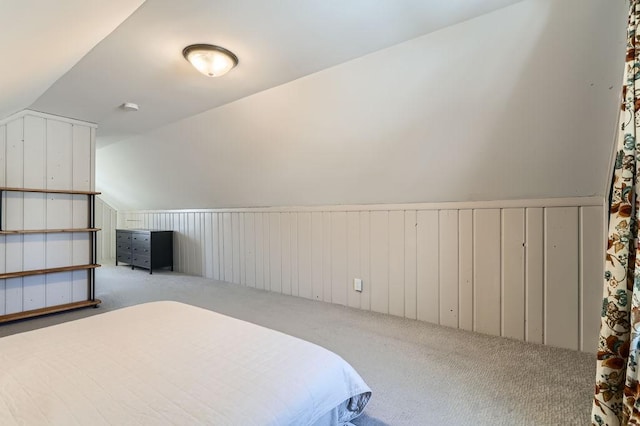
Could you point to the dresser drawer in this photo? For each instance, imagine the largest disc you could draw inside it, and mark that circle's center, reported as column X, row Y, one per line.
column 140, row 239
column 142, row 261
column 124, row 247
column 141, row 248
column 123, row 236
column 124, row 258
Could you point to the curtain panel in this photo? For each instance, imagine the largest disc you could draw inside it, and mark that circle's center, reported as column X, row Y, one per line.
column 617, row 393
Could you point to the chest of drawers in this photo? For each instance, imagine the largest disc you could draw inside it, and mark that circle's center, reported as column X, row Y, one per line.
column 144, row 248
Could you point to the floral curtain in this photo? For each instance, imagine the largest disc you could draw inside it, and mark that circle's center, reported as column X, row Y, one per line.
column 617, row 392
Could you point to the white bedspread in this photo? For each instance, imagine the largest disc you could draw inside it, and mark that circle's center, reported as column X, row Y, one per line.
column 168, row 363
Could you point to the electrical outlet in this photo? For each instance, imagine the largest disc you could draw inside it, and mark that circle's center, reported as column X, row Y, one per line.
column 357, row 284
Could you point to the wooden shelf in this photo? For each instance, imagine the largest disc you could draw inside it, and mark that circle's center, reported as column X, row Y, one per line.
column 82, row 192
column 49, row 310
column 48, row 191
column 48, row 231
column 90, row 268
column 46, row 271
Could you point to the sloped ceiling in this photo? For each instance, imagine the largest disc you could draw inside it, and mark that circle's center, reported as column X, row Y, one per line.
column 42, row 39
column 333, row 102
column 514, row 104
column 276, row 41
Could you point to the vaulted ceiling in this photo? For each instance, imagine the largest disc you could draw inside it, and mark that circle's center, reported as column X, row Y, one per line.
column 42, row 40
column 88, row 68
column 332, row 101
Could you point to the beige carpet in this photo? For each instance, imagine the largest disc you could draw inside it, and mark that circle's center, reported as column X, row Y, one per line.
column 421, row 374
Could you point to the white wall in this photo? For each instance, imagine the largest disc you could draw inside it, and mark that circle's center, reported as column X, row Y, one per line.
column 529, row 270
column 520, row 103
column 44, row 152
column 105, row 219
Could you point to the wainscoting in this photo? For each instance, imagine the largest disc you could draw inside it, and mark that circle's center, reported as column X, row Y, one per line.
column 529, row 269
column 105, row 219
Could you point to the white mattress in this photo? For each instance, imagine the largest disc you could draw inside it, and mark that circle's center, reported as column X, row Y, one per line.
column 167, row 363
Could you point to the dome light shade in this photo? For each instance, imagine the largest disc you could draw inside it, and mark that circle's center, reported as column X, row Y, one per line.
column 212, row 61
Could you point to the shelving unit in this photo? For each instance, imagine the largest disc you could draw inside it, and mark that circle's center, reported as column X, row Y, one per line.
column 48, row 231
column 48, row 310
column 90, row 268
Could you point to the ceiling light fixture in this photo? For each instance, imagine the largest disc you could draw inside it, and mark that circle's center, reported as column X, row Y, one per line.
column 212, row 61
column 130, row 106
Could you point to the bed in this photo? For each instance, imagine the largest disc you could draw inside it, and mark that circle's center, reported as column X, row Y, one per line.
column 167, row 363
